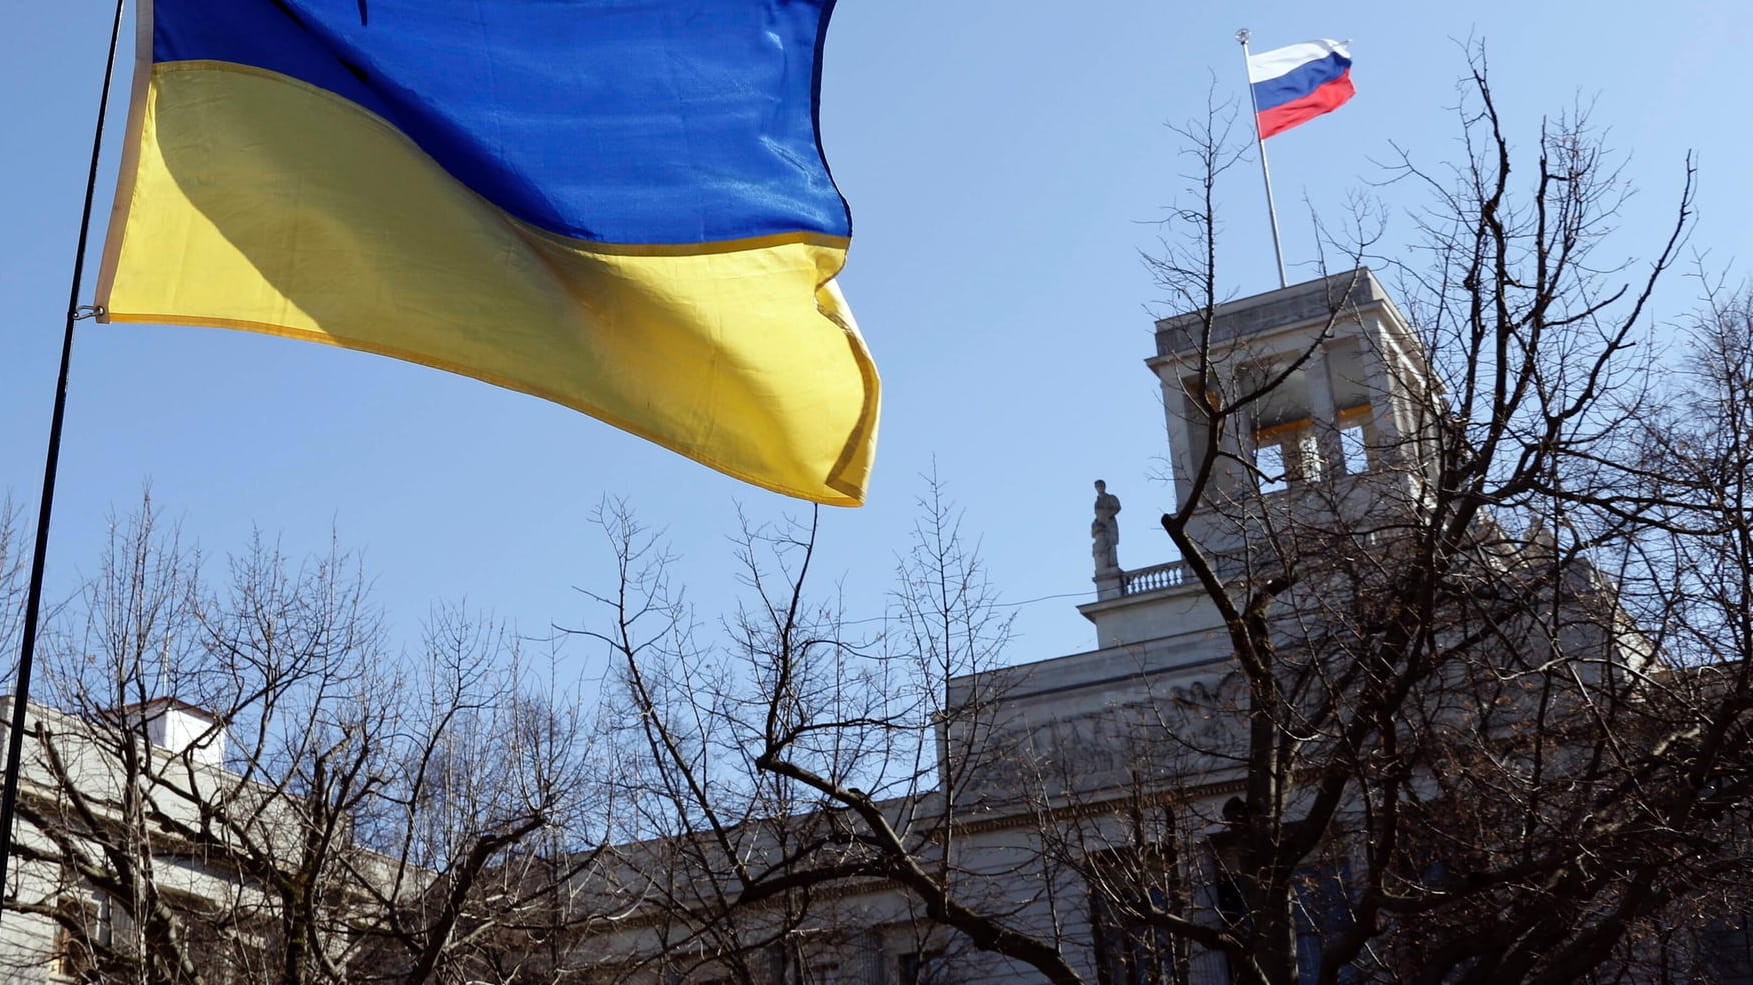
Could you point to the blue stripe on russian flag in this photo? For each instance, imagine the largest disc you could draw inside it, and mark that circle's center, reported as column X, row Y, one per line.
column 1299, row 82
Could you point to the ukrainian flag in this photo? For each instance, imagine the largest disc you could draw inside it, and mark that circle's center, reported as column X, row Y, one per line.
column 618, row 205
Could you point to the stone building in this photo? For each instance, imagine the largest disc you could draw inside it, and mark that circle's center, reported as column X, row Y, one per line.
column 1085, row 795
column 56, row 919
column 140, row 855
column 1089, row 801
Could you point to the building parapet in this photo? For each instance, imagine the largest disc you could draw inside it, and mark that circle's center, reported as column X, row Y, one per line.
column 1312, row 302
column 1153, row 578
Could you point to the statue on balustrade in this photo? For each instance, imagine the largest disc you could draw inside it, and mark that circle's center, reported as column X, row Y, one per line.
column 1105, row 529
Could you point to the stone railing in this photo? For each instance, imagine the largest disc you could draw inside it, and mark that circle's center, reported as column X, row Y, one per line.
column 1153, row 578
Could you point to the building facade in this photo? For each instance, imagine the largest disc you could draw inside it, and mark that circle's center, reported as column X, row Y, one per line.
column 1203, row 798
column 1356, row 731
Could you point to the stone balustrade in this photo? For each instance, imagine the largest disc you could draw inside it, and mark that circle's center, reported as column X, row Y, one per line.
column 1157, row 576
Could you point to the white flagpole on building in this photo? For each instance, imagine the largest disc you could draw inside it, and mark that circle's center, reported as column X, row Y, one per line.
column 1265, row 172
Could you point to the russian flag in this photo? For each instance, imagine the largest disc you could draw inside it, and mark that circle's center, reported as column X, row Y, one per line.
column 1297, row 83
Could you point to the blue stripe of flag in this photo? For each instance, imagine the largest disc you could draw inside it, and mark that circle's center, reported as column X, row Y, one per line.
column 617, row 121
column 1299, row 82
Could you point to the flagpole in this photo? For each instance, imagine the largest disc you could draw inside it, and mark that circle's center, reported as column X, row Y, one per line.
column 1265, row 172
column 51, row 464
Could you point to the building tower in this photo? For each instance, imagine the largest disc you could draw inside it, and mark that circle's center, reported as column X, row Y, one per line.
column 1345, row 396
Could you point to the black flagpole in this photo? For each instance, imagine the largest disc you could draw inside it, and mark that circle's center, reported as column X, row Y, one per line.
column 34, row 599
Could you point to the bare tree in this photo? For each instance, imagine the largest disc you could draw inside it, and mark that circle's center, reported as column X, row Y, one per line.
column 1448, row 718
column 241, row 781
column 1477, row 709
column 1483, row 708
column 12, row 573
column 792, row 771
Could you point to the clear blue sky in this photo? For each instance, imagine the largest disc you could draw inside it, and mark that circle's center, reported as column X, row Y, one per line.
column 1004, row 161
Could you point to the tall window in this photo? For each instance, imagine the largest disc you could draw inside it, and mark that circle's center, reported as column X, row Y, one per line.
column 1323, row 912
column 1726, row 950
column 920, row 968
column 1126, row 885
column 1321, row 909
column 1269, row 460
column 74, row 956
column 1354, row 450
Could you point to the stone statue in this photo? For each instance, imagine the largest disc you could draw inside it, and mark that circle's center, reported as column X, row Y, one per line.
column 1105, row 529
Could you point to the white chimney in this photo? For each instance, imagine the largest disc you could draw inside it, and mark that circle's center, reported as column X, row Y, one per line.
column 180, row 728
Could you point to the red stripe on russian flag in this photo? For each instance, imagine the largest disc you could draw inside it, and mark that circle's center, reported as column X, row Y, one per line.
column 1325, row 99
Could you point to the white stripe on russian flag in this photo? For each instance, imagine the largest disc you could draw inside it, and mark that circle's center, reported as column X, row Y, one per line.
column 1269, row 65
